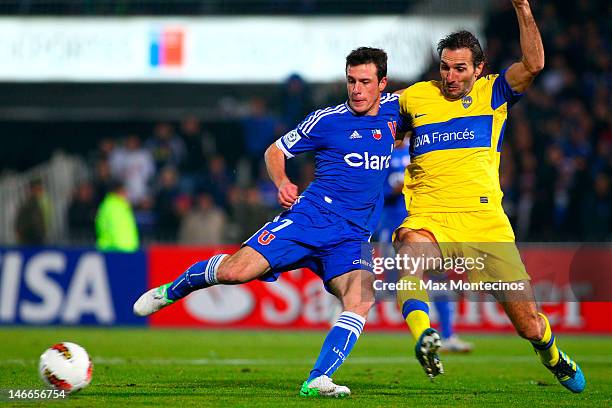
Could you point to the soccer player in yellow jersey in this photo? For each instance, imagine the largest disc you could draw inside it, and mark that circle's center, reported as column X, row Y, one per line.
column 453, row 194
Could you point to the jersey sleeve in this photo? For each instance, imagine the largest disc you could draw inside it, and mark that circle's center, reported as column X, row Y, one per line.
column 502, row 92
column 402, row 122
column 305, row 137
column 403, row 102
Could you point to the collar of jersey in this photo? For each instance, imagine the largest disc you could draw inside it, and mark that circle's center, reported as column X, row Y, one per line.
column 346, row 104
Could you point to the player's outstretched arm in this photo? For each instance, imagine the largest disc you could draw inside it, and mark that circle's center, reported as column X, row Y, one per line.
column 275, row 163
column 521, row 74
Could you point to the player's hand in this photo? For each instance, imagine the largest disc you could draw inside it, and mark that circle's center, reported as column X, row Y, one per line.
column 287, row 194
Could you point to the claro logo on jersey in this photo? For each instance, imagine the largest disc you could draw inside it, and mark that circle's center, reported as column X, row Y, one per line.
column 367, row 160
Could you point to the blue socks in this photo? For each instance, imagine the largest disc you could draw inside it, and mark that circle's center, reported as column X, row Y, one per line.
column 200, row 275
column 445, row 311
column 338, row 344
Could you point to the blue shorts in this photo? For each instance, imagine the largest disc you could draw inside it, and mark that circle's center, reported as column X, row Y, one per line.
column 309, row 236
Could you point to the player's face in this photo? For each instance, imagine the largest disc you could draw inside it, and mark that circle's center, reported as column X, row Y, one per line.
column 364, row 89
column 458, row 72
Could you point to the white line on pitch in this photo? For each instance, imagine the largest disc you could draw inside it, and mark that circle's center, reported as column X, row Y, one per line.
column 303, row 361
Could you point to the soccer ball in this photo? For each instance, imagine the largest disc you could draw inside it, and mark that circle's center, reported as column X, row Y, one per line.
column 65, row 367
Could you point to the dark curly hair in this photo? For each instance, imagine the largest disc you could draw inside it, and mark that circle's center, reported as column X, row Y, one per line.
column 463, row 39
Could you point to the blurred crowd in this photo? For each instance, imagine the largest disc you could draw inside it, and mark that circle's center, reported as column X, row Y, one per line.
column 557, row 154
column 198, row 7
column 556, row 157
column 181, row 188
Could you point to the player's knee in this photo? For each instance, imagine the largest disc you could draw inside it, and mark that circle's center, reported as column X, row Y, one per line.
column 407, row 235
column 529, row 331
column 419, row 242
column 359, row 306
column 230, row 272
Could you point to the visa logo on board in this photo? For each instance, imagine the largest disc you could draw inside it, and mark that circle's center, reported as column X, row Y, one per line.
column 166, row 47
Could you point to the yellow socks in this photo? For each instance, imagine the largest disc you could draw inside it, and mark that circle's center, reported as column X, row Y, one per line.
column 413, row 302
column 547, row 348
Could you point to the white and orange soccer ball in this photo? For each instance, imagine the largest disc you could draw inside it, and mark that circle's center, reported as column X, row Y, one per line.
column 66, row 367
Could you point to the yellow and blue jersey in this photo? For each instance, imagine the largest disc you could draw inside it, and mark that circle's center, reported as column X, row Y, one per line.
column 452, row 184
column 455, row 148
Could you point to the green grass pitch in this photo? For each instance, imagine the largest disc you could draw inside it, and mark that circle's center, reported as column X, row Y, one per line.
column 187, row 368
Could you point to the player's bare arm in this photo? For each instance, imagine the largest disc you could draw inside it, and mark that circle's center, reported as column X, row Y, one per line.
column 521, row 74
column 275, row 163
column 399, row 138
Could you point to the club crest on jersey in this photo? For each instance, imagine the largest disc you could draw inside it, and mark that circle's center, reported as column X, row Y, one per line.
column 377, row 134
column 466, row 101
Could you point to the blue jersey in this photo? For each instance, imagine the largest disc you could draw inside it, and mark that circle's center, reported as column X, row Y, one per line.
column 394, row 210
column 352, row 158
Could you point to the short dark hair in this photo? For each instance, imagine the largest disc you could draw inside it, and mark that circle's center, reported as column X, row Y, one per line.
column 368, row 55
column 463, row 39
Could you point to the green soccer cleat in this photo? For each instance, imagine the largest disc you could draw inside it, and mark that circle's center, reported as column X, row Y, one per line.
column 426, row 351
column 152, row 301
column 568, row 373
column 323, row 386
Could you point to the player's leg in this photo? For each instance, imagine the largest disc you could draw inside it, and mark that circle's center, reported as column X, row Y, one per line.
column 451, row 343
column 355, row 291
column 444, row 309
column 275, row 246
column 412, row 297
column 414, row 300
column 534, row 326
column 243, row 266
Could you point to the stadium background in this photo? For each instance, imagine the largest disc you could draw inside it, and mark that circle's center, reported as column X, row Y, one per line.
column 556, row 156
column 202, row 136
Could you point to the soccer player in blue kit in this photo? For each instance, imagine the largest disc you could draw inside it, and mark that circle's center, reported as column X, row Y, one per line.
column 326, row 227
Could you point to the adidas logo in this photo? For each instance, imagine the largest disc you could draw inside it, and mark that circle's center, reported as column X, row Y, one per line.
column 355, row 135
